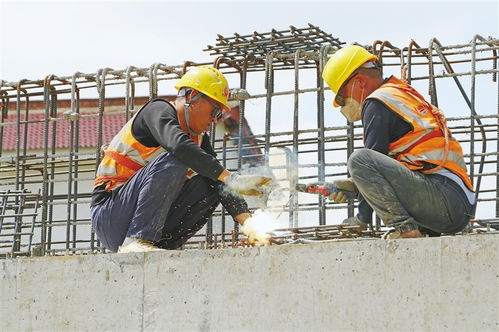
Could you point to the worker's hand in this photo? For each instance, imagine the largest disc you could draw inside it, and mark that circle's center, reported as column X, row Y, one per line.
column 344, row 184
column 247, row 184
column 242, row 217
column 255, row 232
column 354, row 221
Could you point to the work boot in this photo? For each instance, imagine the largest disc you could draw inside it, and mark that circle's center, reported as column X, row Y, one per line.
column 354, row 221
column 137, row 245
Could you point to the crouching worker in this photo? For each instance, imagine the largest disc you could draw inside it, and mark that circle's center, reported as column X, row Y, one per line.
column 412, row 171
column 159, row 181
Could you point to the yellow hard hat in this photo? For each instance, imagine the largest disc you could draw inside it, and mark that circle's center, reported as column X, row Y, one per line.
column 208, row 81
column 342, row 64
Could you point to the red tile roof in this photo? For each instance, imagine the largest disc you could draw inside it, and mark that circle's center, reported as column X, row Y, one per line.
column 111, row 124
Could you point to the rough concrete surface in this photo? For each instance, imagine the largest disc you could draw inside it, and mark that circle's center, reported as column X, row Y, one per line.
column 431, row 284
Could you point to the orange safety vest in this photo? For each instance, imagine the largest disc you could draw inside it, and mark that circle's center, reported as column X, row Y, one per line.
column 425, row 143
column 125, row 155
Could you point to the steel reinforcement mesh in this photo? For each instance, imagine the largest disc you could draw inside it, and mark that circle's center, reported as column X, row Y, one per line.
column 47, row 168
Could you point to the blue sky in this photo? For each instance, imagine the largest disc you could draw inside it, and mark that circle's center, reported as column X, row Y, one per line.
column 41, row 37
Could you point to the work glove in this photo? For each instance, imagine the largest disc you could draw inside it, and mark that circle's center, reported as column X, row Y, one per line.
column 343, row 184
column 354, row 221
column 256, row 232
column 391, row 234
column 247, row 184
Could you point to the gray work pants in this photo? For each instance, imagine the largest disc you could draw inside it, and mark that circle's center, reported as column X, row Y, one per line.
column 407, row 199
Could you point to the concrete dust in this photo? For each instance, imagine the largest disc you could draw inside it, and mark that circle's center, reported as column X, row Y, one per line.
column 276, row 196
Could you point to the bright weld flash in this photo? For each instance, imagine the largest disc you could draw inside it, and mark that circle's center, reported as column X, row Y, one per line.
column 258, row 226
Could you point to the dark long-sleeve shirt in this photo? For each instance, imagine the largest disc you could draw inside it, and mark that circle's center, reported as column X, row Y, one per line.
column 157, row 124
column 381, row 127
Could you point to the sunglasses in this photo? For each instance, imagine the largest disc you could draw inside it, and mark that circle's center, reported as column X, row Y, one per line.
column 340, row 100
column 216, row 113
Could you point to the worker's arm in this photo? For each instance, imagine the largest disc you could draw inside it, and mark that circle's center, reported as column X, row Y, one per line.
column 157, row 124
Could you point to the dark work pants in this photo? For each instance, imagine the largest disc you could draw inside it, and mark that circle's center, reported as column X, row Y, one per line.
column 156, row 204
column 406, row 199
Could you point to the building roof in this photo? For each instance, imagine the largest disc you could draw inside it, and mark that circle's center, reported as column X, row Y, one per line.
column 88, row 126
column 87, row 136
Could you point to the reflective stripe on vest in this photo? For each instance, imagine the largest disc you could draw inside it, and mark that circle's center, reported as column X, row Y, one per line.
column 425, row 143
column 125, row 155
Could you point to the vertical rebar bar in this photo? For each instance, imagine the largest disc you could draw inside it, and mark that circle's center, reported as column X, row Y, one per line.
column 240, row 142
column 153, row 81
column 3, row 115
column 293, row 211
column 224, row 164
column 75, row 109
column 101, row 90
column 18, row 133
column 497, row 148
column 432, row 87
column 129, row 93
column 3, row 207
column 321, row 155
column 25, row 139
column 472, row 115
column 45, row 239
column 209, row 224
column 70, row 178
column 51, row 195
column 19, row 201
column 33, row 220
column 242, row 108
column 269, row 86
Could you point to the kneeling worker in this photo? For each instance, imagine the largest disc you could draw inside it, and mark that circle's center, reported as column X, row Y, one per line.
column 159, row 181
column 412, row 171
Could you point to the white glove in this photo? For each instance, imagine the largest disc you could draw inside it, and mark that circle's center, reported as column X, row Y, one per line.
column 248, row 184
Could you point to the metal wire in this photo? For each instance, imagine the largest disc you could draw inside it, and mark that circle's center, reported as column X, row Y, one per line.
column 271, row 54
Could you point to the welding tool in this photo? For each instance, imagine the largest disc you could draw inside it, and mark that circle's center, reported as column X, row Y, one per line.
column 323, row 188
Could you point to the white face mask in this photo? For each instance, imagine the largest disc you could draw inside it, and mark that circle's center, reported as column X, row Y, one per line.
column 352, row 110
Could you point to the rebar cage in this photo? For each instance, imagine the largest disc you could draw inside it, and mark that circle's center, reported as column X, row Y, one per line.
column 45, row 188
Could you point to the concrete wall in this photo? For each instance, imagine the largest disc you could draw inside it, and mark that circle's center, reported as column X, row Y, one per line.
column 438, row 284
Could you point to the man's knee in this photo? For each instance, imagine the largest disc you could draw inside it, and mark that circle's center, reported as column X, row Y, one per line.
column 359, row 159
column 200, row 188
column 201, row 184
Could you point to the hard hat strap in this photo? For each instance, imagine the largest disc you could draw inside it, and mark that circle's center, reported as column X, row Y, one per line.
column 186, row 113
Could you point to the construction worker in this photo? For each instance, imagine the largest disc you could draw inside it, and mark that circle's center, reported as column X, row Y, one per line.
column 412, row 171
column 159, row 181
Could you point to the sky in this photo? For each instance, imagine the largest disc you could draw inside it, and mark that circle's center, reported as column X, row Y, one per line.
column 44, row 37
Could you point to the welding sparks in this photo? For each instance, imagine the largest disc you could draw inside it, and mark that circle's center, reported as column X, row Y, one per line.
column 258, row 227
